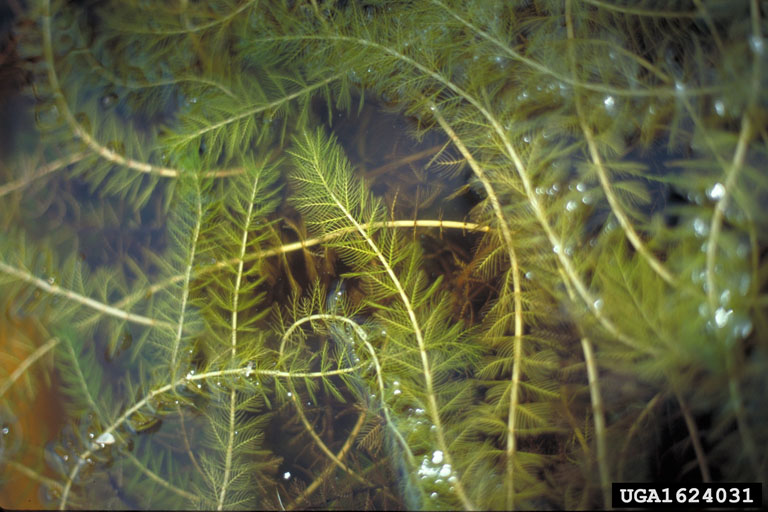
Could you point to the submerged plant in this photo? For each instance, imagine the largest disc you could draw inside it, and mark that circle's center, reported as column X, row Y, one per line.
column 553, row 279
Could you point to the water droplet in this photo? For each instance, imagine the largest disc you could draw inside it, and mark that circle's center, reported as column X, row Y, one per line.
column 716, row 192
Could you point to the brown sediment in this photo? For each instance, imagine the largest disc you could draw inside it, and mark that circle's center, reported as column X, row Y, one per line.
column 36, row 413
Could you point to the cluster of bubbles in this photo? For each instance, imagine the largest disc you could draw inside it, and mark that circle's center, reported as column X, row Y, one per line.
column 436, row 475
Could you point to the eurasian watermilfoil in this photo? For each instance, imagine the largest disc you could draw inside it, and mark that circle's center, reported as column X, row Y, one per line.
column 594, row 313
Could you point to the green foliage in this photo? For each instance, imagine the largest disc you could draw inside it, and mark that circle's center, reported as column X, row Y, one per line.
column 243, row 315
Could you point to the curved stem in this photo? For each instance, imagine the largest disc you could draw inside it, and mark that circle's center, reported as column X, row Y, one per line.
column 602, row 175
column 506, row 233
column 48, row 168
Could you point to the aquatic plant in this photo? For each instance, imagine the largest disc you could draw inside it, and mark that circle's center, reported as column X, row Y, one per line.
column 558, row 283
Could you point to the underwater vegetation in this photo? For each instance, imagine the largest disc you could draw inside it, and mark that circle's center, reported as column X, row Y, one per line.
column 424, row 254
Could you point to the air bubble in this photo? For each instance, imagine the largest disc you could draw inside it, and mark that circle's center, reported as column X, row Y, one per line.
column 581, row 187
column 722, row 316
column 571, row 205
column 437, row 457
column 287, row 475
column 609, row 103
column 108, row 100
column 757, row 44
column 716, row 192
column 289, row 394
column 445, row 471
column 598, row 304
column 720, row 108
column 700, row 227
column 745, row 328
column 744, row 283
column 5, row 431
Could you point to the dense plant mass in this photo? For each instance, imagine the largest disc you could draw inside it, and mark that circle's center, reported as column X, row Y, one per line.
column 386, row 254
